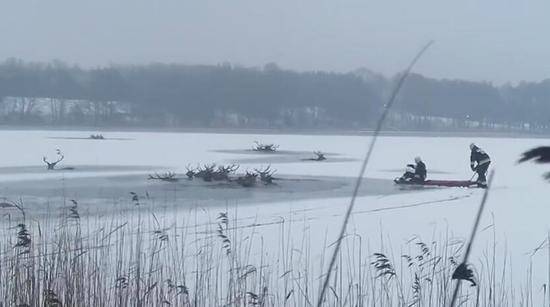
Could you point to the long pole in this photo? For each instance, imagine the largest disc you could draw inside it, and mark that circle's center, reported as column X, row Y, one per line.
column 473, row 234
column 359, row 180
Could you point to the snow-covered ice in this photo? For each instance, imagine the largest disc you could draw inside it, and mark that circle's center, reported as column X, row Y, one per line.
column 518, row 206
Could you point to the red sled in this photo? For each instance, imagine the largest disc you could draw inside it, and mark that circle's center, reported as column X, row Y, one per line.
column 440, row 183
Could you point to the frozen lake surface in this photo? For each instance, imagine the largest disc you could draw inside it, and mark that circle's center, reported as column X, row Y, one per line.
column 106, row 171
column 519, row 200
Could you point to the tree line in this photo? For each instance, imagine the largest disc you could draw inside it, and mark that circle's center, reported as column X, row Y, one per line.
column 170, row 95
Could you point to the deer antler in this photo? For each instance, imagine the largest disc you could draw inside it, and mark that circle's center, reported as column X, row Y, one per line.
column 320, row 155
column 169, row 176
column 265, row 147
column 228, row 169
column 248, row 180
column 190, row 172
column 266, row 175
column 257, row 147
column 210, row 168
column 51, row 165
column 265, row 171
column 61, row 157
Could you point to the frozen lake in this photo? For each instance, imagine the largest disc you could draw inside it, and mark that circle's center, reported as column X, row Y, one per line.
column 106, row 171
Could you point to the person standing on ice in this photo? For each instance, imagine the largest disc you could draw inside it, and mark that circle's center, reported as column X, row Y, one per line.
column 479, row 163
column 420, row 172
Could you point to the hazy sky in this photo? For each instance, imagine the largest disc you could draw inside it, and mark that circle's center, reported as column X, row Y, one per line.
column 492, row 40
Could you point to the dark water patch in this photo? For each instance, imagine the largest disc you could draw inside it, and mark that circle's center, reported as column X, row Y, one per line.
column 282, row 156
column 402, row 170
column 41, row 169
column 274, row 153
column 287, row 159
column 104, row 194
column 89, row 138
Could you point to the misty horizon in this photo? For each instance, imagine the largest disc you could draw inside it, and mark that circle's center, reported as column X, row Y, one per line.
column 357, row 70
column 489, row 41
column 227, row 96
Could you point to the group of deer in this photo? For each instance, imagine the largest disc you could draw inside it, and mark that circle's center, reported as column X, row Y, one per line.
column 97, row 137
column 265, row 147
column 319, row 156
column 168, row 176
column 212, row 172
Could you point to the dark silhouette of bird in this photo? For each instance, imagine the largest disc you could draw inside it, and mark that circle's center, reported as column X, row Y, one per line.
column 539, row 155
column 464, row 273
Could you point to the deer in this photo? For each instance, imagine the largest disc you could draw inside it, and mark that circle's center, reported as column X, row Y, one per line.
column 265, row 147
column 190, row 172
column 169, row 176
column 222, row 173
column 206, row 173
column 248, row 180
column 97, row 137
column 51, row 165
column 319, row 156
column 266, row 174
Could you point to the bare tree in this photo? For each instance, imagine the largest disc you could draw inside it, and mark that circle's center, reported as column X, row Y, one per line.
column 24, row 106
column 58, row 108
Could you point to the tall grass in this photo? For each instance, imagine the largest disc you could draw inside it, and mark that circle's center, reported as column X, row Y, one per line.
column 153, row 258
column 370, row 149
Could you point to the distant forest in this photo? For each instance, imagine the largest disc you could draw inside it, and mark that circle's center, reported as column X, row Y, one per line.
column 163, row 95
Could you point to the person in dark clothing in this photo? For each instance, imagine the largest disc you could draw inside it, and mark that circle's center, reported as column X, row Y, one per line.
column 408, row 175
column 414, row 172
column 479, row 163
column 420, row 172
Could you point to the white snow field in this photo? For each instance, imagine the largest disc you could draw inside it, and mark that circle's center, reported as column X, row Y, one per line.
column 516, row 217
